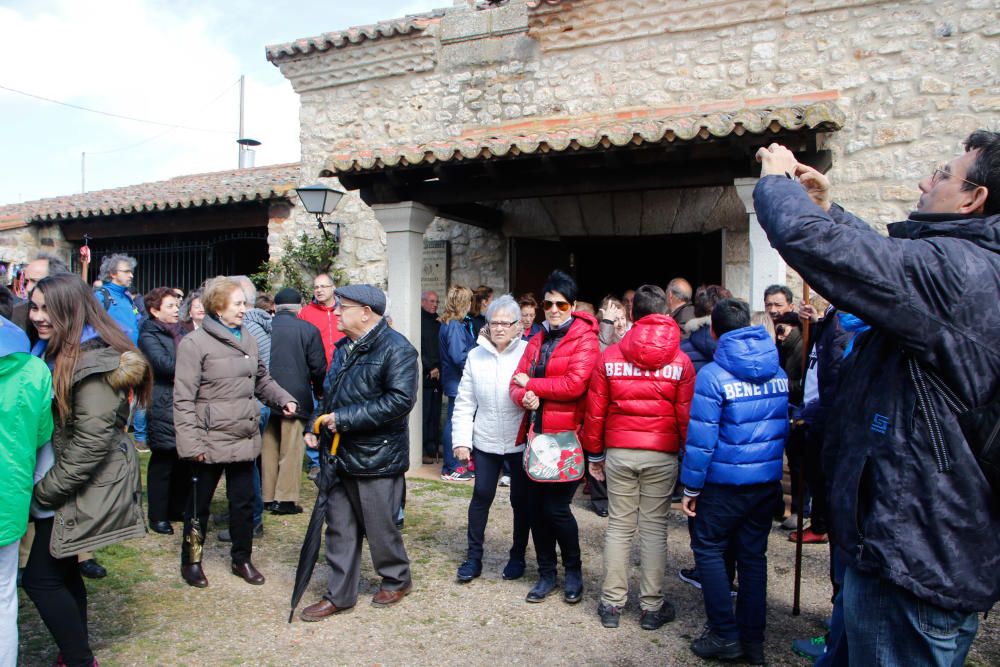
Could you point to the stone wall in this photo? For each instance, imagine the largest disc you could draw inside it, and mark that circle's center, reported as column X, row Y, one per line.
column 22, row 244
column 913, row 76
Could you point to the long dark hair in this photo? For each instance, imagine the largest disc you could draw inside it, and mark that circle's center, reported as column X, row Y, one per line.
column 71, row 305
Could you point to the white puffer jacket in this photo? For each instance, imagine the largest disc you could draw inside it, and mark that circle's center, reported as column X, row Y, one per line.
column 485, row 417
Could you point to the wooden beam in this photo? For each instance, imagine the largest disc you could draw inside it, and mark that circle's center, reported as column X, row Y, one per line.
column 476, row 215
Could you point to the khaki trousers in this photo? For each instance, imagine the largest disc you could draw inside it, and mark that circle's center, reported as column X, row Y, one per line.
column 281, row 459
column 639, row 486
column 24, row 549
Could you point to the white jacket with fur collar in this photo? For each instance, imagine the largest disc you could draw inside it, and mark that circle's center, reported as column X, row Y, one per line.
column 485, row 417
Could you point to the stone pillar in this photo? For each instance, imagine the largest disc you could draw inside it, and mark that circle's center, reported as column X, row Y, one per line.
column 766, row 265
column 404, row 224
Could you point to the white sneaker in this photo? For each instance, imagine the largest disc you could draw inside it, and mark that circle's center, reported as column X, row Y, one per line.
column 791, row 523
column 505, row 480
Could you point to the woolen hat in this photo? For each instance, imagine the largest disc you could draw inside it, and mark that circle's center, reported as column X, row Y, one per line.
column 12, row 339
column 366, row 295
column 287, row 295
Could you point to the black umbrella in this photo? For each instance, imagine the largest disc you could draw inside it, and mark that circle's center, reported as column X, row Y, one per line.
column 314, row 533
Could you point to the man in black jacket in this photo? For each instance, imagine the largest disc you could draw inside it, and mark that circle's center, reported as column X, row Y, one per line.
column 372, row 389
column 430, row 359
column 298, row 364
column 909, row 503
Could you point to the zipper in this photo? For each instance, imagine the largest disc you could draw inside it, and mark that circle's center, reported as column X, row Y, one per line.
column 992, row 440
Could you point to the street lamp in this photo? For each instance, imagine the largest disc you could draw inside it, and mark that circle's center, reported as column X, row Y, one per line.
column 320, row 201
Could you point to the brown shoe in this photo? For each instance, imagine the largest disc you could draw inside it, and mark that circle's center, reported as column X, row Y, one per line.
column 248, row 573
column 384, row 597
column 194, row 575
column 319, row 611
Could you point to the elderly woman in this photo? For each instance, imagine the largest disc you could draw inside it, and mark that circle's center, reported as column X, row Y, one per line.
column 529, row 310
column 612, row 323
column 485, row 427
column 456, row 337
column 218, row 375
column 168, row 479
column 192, row 311
column 551, row 381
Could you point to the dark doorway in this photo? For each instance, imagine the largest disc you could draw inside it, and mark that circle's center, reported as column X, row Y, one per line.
column 611, row 265
column 166, row 260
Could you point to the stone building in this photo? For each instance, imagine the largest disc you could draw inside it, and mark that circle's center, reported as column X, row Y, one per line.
column 616, row 137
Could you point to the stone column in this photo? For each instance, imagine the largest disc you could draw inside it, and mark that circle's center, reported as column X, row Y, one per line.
column 766, row 265
column 404, row 224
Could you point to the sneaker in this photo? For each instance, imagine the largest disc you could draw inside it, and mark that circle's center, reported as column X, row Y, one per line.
column 92, row 569
column 690, row 576
column 791, row 523
column 808, row 537
column 711, row 645
column 505, row 480
column 810, row 648
column 610, row 614
column 461, row 474
column 469, row 570
column 653, row 620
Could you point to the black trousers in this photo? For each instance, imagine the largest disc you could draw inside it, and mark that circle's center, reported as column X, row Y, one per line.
column 795, row 450
column 598, row 491
column 812, row 466
column 168, row 483
column 432, row 419
column 240, row 492
column 56, row 588
column 552, row 522
column 488, row 470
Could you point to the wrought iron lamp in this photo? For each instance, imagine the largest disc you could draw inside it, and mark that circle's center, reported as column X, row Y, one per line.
column 321, row 201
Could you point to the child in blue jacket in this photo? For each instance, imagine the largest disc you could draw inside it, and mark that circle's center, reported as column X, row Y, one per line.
column 732, row 478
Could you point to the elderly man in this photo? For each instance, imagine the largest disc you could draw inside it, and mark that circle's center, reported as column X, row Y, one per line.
column 910, row 504
column 679, row 301
column 127, row 310
column 372, row 387
column 430, row 359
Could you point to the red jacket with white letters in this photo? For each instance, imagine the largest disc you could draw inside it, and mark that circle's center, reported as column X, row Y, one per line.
column 640, row 392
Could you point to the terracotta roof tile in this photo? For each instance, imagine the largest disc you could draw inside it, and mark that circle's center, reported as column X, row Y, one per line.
column 334, row 40
column 191, row 191
column 813, row 111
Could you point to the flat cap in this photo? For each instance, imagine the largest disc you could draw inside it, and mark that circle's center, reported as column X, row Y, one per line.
column 366, row 295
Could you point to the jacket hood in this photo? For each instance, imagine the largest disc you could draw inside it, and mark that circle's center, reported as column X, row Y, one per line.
column 983, row 231
column 696, row 323
column 588, row 322
column 652, row 342
column 748, row 353
column 126, row 370
column 259, row 317
column 516, row 344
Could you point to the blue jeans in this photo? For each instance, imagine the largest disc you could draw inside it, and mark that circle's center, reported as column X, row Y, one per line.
column 837, row 653
column 450, row 462
column 728, row 513
column 139, row 424
column 888, row 625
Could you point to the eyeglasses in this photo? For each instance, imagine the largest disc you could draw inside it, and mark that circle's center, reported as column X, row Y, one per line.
column 561, row 305
column 942, row 174
column 497, row 324
column 339, row 305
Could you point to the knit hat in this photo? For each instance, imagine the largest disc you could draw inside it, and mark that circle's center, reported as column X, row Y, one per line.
column 288, row 295
column 366, row 295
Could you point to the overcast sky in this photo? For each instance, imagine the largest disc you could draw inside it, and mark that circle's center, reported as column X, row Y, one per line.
column 176, row 62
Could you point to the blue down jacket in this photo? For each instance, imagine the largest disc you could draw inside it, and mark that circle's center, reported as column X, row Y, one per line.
column 739, row 415
column 456, row 339
column 910, row 509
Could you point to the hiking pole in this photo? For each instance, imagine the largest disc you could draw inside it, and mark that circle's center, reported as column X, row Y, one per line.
column 800, row 494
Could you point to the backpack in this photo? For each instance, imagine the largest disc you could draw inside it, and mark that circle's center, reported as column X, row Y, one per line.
column 108, row 301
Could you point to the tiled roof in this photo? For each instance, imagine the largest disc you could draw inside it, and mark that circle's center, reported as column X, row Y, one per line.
column 220, row 187
column 813, row 111
column 356, row 35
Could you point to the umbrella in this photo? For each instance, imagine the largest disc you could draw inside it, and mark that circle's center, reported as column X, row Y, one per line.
column 314, row 533
column 801, row 495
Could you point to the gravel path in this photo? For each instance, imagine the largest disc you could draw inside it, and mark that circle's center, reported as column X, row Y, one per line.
column 154, row 619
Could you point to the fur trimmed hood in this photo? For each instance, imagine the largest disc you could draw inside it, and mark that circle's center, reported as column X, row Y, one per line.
column 125, row 370
column 696, row 323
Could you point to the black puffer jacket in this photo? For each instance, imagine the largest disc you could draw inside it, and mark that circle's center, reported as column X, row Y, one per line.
column 919, row 515
column 372, row 389
column 157, row 344
column 298, row 362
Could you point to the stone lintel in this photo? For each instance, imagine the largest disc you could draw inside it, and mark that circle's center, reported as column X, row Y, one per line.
column 464, row 26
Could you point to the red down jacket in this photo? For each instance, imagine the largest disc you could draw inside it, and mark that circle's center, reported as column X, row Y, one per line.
column 640, row 392
column 563, row 390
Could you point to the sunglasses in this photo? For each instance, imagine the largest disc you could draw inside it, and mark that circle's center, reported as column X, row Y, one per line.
column 561, row 305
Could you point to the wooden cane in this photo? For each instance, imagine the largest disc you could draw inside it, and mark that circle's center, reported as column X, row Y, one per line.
column 801, row 492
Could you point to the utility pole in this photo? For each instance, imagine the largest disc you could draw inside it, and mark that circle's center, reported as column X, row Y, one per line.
column 83, row 172
column 239, row 156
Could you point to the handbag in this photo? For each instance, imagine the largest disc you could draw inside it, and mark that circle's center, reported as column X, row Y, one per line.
column 980, row 426
column 553, row 457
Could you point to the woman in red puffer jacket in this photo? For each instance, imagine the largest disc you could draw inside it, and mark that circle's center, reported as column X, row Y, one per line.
column 551, row 382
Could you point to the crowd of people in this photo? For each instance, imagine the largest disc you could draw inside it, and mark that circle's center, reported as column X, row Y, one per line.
column 665, row 394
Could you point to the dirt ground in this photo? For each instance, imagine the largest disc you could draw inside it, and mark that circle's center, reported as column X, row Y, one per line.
column 143, row 614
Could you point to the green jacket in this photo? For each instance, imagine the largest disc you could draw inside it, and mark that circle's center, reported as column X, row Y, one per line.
column 25, row 425
column 95, row 486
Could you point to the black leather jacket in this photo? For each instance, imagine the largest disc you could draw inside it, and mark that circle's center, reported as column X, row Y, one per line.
column 372, row 387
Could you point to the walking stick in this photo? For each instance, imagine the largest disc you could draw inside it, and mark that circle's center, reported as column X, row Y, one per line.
column 85, row 258
column 801, row 491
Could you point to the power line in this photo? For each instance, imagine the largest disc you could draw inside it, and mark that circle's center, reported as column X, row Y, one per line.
column 113, row 115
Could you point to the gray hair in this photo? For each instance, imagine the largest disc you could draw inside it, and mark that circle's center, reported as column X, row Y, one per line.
column 680, row 289
column 249, row 291
column 185, row 314
column 56, row 264
column 504, row 304
column 294, row 307
column 110, row 263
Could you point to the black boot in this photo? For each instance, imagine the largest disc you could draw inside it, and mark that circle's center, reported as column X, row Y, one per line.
column 546, row 584
column 573, row 586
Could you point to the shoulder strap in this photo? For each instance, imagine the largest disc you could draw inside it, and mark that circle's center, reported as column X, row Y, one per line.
column 108, row 299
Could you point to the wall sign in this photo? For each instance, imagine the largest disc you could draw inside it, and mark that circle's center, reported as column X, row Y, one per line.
column 436, row 265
